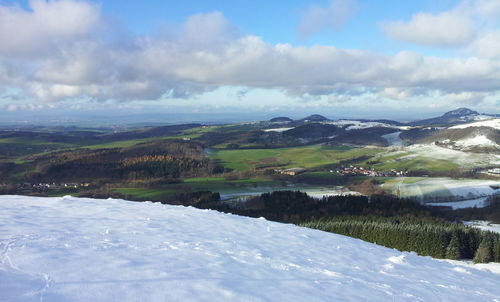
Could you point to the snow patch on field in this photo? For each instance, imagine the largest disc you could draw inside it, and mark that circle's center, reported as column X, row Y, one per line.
column 279, row 129
column 70, row 249
column 493, row 123
column 484, row 225
column 472, row 203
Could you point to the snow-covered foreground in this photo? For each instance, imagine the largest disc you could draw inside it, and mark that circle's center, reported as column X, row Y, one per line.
column 69, row 249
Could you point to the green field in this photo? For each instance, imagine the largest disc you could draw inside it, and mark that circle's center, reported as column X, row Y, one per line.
column 418, row 163
column 305, row 157
column 147, row 193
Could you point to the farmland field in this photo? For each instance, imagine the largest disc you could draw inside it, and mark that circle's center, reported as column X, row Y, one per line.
column 306, row 157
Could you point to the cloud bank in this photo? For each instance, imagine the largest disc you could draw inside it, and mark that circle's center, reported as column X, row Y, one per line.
column 51, row 61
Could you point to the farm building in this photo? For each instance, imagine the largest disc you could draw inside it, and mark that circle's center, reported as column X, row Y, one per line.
column 293, row 171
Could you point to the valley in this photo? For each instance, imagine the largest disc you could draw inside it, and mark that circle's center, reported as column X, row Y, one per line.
column 163, row 162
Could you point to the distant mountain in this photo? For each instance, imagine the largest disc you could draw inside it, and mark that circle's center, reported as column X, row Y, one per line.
column 314, row 118
column 457, row 116
column 281, row 119
column 460, row 112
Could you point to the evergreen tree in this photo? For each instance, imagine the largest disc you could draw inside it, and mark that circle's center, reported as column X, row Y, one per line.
column 453, row 249
column 496, row 249
column 484, row 253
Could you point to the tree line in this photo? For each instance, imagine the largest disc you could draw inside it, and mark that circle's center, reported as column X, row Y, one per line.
column 386, row 220
column 439, row 239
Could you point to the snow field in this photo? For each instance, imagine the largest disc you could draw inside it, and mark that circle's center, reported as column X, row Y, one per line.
column 71, row 249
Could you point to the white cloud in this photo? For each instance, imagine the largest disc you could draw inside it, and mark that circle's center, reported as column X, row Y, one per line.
column 447, row 29
column 48, row 24
column 472, row 24
column 487, row 8
column 466, row 98
column 488, row 45
column 317, row 18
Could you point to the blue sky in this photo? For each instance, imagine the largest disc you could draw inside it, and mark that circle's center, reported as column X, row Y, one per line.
column 276, row 21
column 343, row 58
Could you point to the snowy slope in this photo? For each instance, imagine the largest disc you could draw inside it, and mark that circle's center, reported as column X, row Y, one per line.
column 493, row 123
column 69, row 249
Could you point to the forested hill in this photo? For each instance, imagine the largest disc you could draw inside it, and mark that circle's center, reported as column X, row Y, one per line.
column 168, row 159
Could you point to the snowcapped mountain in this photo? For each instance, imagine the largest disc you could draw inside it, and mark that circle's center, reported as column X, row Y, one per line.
column 457, row 116
column 70, row 249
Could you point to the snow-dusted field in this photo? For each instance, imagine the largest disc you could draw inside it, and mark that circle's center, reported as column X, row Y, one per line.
column 69, row 249
column 476, row 141
column 464, row 159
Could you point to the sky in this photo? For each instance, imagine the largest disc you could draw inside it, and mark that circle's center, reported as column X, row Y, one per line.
column 248, row 59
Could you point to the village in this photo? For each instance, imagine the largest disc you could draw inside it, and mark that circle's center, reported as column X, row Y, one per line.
column 361, row 171
column 48, row 186
column 349, row 171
